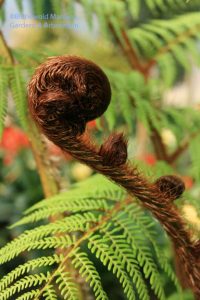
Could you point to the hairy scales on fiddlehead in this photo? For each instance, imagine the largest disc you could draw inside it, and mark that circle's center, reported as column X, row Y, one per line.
column 71, row 90
column 172, row 186
column 66, row 92
column 114, row 150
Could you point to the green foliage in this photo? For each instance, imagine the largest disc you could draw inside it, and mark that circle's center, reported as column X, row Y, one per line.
column 167, row 41
column 99, row 227
column 66, row 285
column 193, row 148
column 88, row 271
column 18, row 89
column 3, row 97
column 111, row 232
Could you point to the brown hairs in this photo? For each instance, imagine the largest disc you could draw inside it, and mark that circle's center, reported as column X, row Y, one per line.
column 171, row 186
column 70, row 91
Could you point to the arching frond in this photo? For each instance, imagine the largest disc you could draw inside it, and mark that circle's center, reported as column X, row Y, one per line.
column 113, row 235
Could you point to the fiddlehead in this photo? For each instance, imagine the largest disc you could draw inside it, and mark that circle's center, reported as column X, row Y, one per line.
column 64, row 94
column 171, row 186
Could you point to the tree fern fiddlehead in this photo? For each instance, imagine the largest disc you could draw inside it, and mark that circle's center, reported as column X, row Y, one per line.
column 64, row 94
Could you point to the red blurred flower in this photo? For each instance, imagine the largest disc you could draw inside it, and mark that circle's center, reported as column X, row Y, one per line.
column 149, row 159
column 13, row 140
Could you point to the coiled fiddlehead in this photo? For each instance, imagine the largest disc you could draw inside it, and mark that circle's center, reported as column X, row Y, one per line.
column 171, row 186
column 64, row 94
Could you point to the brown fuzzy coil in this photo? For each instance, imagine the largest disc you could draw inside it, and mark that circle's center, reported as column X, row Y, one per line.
column 114, row 150
column 171, row 185
column 67, row 92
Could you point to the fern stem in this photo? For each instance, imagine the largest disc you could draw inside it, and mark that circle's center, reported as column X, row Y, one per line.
column 159, row 148
column 129, row 52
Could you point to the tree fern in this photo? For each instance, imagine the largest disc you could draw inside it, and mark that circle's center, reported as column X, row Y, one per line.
column 103, row 222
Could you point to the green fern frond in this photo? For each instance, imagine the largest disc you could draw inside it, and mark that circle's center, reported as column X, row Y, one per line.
column 28, row 267
column 28, row 295
column 127, row 255
column 50, row 293
column 31, row 241
column 73, row 205
column 102, row 189
column 134, row 8
column 66, row 286
column 88, row 271
column 167, row 69
column 98, row 245
column 52, row 242
column 147, row 228
column 112, row 234
column 144, row 255
column 24, row 283
column 3, row 96
column 37, row 236
column 173, row 33
column 121, row 85
column 19, row 94
column 179, row 6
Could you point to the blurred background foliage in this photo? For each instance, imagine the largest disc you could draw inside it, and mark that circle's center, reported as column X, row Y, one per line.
column 150, row 51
